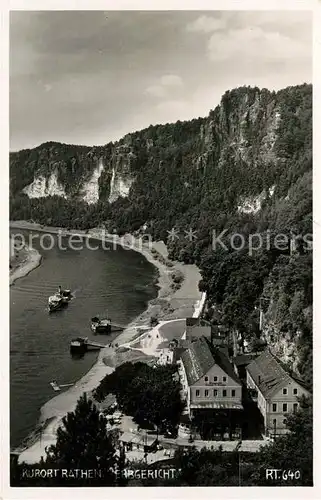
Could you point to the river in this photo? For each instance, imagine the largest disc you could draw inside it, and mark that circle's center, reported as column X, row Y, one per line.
column 118, row 281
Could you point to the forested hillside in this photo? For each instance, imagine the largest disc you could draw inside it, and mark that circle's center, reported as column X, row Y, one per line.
column 246, row 169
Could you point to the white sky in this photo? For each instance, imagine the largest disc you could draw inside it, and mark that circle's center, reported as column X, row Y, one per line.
column 87, row 77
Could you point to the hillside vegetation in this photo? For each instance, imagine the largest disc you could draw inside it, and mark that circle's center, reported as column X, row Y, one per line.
column 246, row 169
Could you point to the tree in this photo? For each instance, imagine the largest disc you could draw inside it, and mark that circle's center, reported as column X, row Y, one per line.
column 83, row 443
column 150, row 395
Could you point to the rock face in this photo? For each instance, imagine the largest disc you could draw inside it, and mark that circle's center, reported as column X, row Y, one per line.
column 90, row 190
column 42, row 187
column 119, row 186
column 122, row 179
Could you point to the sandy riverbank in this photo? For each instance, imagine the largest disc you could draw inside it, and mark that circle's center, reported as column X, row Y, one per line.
column 170, row 304
column 22, row 262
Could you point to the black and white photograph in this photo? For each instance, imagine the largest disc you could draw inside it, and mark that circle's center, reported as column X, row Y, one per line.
column 161, row 249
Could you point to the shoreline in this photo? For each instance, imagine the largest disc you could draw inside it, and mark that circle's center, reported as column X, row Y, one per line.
column 31, row 261
column 170, row 303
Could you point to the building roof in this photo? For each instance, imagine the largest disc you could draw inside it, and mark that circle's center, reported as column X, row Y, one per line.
column 178, row 351
column 130, row 437
column 199, row 331
column 222, row 360
column 197, row 322
column 268, row 374
column 199, row 358
column 243, row 359
column 192, row 321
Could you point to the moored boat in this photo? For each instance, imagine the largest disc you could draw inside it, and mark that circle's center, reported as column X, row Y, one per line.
column 100, row 325
column 78, row 345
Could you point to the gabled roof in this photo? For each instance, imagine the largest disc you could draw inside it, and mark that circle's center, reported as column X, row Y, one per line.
column 268, row 374
column 223, row 362
column 199, row 358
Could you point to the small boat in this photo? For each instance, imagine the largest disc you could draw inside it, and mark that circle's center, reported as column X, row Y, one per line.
column 100, row 325
column 55, row 386
column 55, row 302
column 59, row 300
column 78, row 345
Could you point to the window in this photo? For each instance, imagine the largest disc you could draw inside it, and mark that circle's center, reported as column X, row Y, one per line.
column 206, row 379
column 224, row 393
column 274, row 407
column 224, row 379
column 233, row 393
column 206, row 393
column 215, row 379
column 215, row 392
column 295, row 407
column 285, row 391
column 197, row 393
column 285, row 407
column 284, row 421
column 295, row 391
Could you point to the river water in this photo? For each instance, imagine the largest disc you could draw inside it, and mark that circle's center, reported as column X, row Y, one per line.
column 118, row 281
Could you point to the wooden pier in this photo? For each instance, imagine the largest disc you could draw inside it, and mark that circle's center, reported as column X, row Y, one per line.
column 94, row 345
column 115, row 327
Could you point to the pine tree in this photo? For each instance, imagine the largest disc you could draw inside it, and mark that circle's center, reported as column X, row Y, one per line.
column 83, row 443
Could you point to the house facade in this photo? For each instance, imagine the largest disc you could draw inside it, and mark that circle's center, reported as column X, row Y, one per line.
column 275, row 390
column 208, row 379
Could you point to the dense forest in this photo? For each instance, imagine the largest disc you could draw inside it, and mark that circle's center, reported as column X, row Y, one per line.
column 245, row 169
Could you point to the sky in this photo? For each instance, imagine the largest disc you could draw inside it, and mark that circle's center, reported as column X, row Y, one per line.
column 90, row 77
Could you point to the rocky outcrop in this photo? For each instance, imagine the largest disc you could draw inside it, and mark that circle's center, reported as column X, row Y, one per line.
column 90, row 190
column 42, row 187
column 122, row 178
